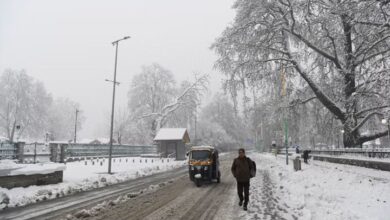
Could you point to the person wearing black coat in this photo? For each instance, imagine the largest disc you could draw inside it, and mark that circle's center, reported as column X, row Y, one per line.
column 241, row 168
column 306, row 155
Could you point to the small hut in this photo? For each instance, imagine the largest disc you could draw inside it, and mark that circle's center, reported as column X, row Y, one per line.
column 172, row 142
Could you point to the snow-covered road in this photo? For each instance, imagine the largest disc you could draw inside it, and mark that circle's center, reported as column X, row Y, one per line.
column 183, row 200
column 57, row 208
column 320, row 191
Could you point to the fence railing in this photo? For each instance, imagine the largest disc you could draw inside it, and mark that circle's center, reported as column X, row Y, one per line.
column 59, row 152
column 98, row 150
column 35, row 152
column 349, row 152
column 370, row 153
column 8, row 151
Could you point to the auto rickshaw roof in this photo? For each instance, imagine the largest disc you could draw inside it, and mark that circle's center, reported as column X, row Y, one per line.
column 210, row 148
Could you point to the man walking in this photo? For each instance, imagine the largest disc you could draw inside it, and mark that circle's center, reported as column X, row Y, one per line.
column 241, row 170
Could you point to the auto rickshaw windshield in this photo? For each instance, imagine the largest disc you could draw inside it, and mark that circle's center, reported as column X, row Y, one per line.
column 200, row 155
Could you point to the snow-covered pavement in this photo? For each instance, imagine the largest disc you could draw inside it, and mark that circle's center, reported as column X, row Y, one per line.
column 87, row 175
column 320, row 191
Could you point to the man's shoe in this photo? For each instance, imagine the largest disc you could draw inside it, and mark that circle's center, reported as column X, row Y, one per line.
column 245, row 208
column 240, row 203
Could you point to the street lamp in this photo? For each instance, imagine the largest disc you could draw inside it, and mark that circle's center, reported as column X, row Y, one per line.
column 338, row 137
column 75, row 126
column 114, row 83
column 386, row 121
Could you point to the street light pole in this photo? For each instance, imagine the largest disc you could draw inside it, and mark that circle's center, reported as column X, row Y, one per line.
column 115, row 43
column 388, row 130
column 387, row 121
column 285, row 97
column 75, row 126
column 196, row 118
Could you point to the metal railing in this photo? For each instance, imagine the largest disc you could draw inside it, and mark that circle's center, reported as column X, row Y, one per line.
column 36, row 152
column 8, row 151
column 358, row 152
column 351, row 152
column 99, row 150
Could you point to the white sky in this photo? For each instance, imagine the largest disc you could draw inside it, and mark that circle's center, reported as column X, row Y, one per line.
column 67, row 45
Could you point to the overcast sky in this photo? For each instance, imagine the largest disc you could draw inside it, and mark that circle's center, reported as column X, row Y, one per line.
column 67, row 45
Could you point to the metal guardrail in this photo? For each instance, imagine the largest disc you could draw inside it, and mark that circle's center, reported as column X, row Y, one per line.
column 370, row 153
column 58, row 152
column 99, row 150
column 379, row 165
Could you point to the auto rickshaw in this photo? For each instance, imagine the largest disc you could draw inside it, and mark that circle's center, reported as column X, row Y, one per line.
column 203, row 164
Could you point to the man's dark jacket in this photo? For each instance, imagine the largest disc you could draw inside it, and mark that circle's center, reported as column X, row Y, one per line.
column 241, row 169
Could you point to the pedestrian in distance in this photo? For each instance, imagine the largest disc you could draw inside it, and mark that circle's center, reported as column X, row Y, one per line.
column 306, row 155
column 274, row 148
column 243, row 168
column 297, row 149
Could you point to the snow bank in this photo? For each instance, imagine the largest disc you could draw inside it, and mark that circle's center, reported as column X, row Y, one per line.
column 87, row 175
column 9, row 164
column 42, row 168
column 11, row 168
column 326, row 191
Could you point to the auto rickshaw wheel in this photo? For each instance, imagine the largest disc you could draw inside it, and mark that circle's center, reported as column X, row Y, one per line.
column 219, row 177
column 198, row 183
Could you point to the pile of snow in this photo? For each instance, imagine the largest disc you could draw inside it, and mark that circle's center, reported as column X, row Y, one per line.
column 86, row 175
column 11, row 168
column 320, row 191
column 9, row 164
column 3, row 139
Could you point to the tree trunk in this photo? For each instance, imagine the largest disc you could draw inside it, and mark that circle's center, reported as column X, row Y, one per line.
column 351, row 138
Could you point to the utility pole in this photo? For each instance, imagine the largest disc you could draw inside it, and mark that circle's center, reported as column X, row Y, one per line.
column 388, row 129
column 284, row 95
column 75, row 126
column 114, row 83
column 196, row 112
column 387, row 121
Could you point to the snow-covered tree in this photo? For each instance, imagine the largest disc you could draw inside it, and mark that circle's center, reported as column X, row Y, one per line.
column 24, row 105
column 62, row 119
column 344, row 42
column 150, row 91
column 155, row 101
column 218, row 124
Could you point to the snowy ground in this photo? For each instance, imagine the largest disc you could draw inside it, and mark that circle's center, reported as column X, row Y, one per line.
column 86, row 175
column 320, row 191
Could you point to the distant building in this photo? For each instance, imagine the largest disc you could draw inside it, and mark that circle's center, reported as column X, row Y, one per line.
column 172, row 142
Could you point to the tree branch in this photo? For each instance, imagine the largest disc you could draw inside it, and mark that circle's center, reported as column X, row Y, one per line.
column 371, row 109
column 322, row 97
column 372, row 46
column 301, row 102
column 310, row 44
column 365, row 138
column 365, row 119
